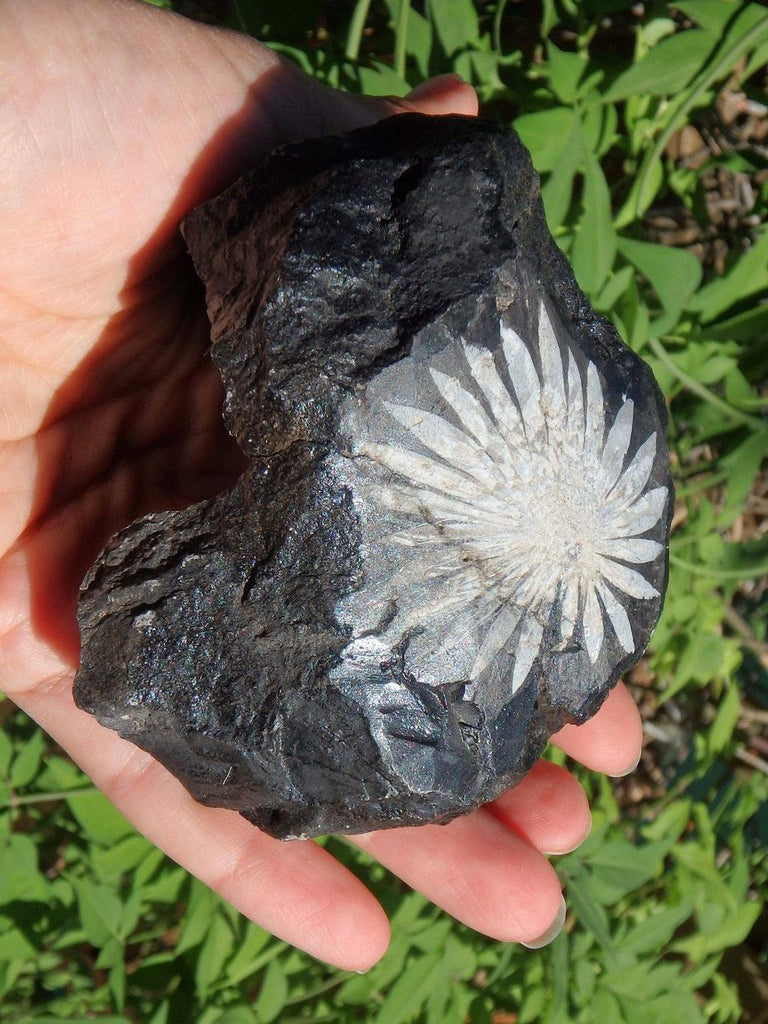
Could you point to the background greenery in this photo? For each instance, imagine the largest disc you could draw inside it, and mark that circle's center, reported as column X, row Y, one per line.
column 649, row 126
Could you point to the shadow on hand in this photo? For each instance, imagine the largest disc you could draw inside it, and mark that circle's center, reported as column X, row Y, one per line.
column 137, row 427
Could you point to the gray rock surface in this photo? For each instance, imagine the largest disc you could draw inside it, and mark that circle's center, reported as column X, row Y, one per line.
column 451, row 538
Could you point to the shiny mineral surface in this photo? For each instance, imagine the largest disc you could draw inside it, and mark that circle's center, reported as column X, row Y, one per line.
column 451, row 538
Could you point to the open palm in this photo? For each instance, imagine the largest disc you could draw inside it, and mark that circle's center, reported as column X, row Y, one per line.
column 117, row 119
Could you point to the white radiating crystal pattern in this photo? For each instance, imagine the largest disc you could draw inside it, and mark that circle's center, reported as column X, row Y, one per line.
column 520, row 498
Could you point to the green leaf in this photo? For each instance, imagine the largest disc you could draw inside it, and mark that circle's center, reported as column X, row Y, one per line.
column 419, row 36
column 103, row 1019
column 100, row 911
column 60, row 773
column 455, row 24
column 613, row 289
column 701, row 661
column 594, row 247
column 589, row 911
column 380, row 80
column 166, row 887
column 619, row 867
column 418, row 33
column 117, row 984
column 674, row 274
column 14, row 945
column 558, row 189
column 214, row 953
column 433, row 938
column 605, row 1007
column 244, row 961
column 711, row 15
column 238, row 1015
column 127, row 855
column 273, row 994
column 734, row 929
column 6, row 753
column 637, row 977
column 565, row 70
column 721, row 730
column 748, row 275
column 200, row 909
column 437, row 1003
column 673, row 820
column 356, row 991
column 599, row 126
column 666, row 69
column 546, row 134
column 111, row 953
column 20, row 878
column 98, row 818
column 160, row 1016
column 27, row 761
column 724, row 21
column 742, row 465
column 655, row 932
column 411, row 990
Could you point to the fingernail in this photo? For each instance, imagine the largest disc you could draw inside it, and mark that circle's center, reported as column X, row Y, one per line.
column 435, row 87
column 635, row 763
column 552, row 932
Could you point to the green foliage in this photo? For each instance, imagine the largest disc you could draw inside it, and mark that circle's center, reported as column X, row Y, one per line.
column 96, row 923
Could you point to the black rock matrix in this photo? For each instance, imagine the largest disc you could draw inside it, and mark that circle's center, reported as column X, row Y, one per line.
column 451, row 538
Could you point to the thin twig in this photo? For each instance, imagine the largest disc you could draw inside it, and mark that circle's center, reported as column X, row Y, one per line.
column 740, row 625
column 754, row 715
column 752, row 760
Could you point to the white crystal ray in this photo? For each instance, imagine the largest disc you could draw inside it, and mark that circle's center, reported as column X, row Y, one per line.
column 526, row 506
column 525, row 382
column 503, row 410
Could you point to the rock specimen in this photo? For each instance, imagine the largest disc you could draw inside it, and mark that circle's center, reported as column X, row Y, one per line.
column 451, row 539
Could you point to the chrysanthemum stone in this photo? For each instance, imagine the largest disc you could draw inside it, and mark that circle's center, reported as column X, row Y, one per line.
column 452, row 536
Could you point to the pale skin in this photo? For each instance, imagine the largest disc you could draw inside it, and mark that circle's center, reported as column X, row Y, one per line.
column 115, row 120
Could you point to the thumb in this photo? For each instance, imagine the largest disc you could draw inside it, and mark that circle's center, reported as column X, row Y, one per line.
column 446, row 94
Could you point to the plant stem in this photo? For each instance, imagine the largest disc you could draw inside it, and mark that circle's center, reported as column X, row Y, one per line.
column 356, row 26
column 314, row 992
column 43, row 798
column 499, row 14
column 747, row 572
column 692, row 385
column 701, row 485
column 401, row 36
column 707, row 77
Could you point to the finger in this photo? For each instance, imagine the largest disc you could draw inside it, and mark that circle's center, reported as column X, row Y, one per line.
column 611, row 741
column 296, row 890
column 548, row 808
column 446, row 94
column 476, row 870
column 300, row 107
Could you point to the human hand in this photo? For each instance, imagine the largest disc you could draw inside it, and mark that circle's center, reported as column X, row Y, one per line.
column 116, row 120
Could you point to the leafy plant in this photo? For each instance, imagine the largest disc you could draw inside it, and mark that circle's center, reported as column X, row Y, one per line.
column 666, row 894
